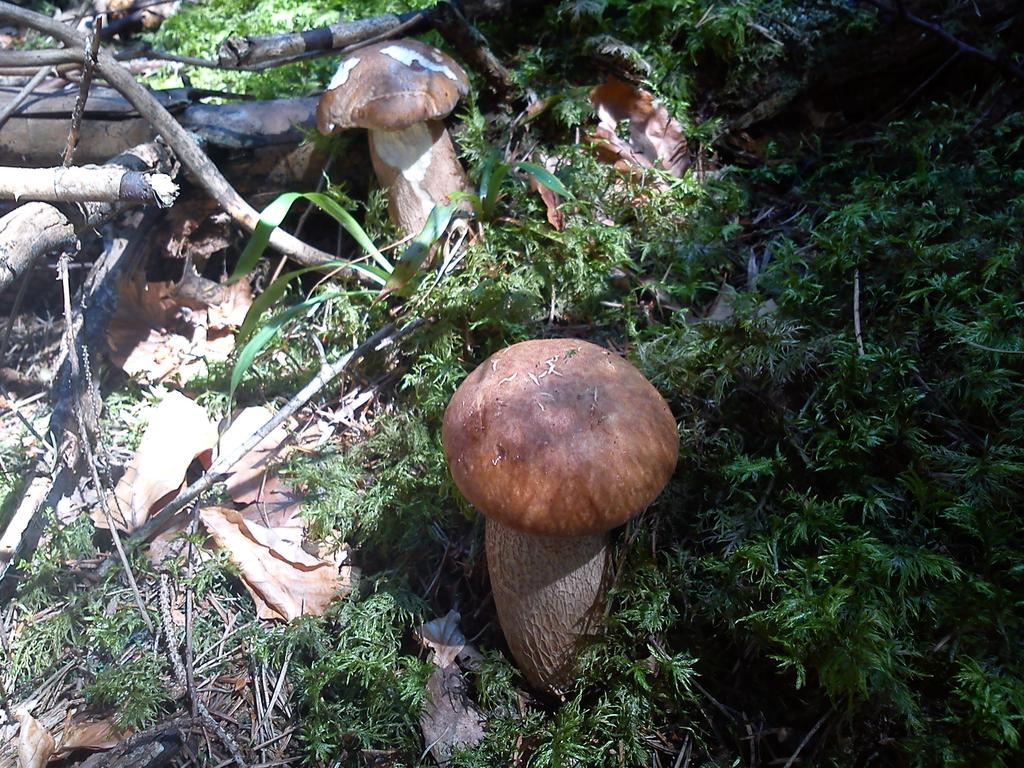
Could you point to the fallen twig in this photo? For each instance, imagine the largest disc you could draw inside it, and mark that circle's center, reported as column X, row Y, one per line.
column 807, row 737
column 52, row 475
column 87, row 185
column 34, row 229
column 385, row 337
column 471, row 46
column 856, row 311
column 257, row 52
column 92, row 46
column 11, row 107
column 81, row 395
column 170, row 637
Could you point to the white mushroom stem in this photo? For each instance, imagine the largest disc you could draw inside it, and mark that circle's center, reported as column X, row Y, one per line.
column 419, row 168
column 549, row 593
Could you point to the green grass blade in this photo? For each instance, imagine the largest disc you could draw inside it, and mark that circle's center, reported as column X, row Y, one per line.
column 416, row 253
column 330, row 206
column 247, row 356
column 270, row 219
column 545, row 177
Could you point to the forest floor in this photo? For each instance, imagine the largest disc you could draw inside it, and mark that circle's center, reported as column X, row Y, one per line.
column 816, row 262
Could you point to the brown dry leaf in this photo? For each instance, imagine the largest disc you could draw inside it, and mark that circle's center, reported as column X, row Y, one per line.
column 90, row 734
column 444, row 638
column 449, row 719
column 35, row 744
column 655, row 138
column 198, row 230
column 284, row 580
column 550, row 198
column 179, row 431
column 165, row 329
column 249, row 475
column 277, row 507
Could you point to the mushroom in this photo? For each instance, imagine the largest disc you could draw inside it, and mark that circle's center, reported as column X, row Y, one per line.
column 401, row 90
column 556, row 442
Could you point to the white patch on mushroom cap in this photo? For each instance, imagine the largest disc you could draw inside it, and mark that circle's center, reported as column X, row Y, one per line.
column 342, row 73
column 408, row 150
column 409, row 57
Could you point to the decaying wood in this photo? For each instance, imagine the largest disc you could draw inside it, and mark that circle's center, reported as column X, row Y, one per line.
column 87, row 184
column 200, row 167
column 472, row 47
column 255, row 51
column 54, row 475
column 34, row 229
column 35, row 133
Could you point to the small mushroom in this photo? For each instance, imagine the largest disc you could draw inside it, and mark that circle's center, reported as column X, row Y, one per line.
column 556, row 442
column 401, row 91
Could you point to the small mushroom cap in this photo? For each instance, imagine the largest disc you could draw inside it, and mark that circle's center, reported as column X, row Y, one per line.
column 559, row 437
column 391, row 85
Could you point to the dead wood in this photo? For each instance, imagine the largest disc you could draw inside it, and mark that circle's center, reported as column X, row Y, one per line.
column 55, row 475
column 87, row 184
column 255, row 52
column 200, row 167
column 35, row 229
column 8, row 109
column 37, row 130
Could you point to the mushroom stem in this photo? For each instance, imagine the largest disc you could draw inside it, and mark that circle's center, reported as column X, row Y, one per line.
column 549, row 593
column 419, row 167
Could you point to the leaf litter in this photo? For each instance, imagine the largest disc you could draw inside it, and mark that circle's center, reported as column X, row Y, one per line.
column 264, row 537
column 449, row 718
column 173, row 330
column 635, row 131
column 179, row 432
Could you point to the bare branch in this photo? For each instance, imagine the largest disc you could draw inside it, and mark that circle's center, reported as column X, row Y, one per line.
column 11, row 107
column 34, row 229
column 87, row 184
column 256, row 52
column 53, row 476
column 385, row 337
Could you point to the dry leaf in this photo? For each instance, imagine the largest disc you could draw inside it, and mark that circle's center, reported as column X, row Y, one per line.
column 165, row 329
column 449, row 719
column 168, row 544
column 35, row 744
column 179, row 431
column 655, row 139
column 249, row 474
column 90, row 734
column 277, row 507
column 444, row 638
column 550, row 198
column 284, row 580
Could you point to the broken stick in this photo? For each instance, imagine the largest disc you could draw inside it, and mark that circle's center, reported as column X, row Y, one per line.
column 35, row 229
column 87, row 184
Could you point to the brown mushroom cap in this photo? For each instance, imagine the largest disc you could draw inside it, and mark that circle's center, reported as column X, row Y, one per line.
column 559, row 437
column 391, row 85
